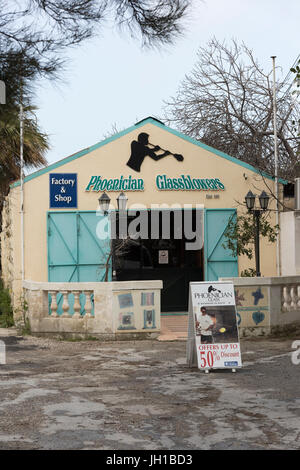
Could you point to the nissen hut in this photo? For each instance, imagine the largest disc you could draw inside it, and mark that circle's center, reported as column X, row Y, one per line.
column 176, row 197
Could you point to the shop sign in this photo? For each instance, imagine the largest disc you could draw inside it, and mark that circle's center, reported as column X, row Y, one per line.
column 187, row 183
column 97, row 183
column 163, row 182
column 213, row 330
column 63, row 190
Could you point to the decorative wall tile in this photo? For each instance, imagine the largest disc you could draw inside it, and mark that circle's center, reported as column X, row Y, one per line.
column 149, row 319
column 126, row 320
column 125, row 300
column 252, row 304
column 147, row 298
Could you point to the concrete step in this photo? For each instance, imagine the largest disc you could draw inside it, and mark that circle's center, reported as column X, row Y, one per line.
column 8, row 332
column 174, row 324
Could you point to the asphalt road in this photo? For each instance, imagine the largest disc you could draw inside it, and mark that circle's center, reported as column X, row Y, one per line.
column 142, row 395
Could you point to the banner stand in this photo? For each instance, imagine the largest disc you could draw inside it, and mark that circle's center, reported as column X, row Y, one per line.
column 213, row 339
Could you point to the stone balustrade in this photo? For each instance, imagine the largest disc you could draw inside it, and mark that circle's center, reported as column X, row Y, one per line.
column 114, row 310
column 291, row 297
column 106, row 310
column 267, row 304
column 66, row 309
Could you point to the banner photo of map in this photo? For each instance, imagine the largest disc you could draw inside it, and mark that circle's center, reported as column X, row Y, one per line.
column 252, row 304
column 215, row 320
column 125, row 300
column 147, row 298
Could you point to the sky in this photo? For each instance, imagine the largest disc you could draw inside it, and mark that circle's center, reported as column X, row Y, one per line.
column 111, row 82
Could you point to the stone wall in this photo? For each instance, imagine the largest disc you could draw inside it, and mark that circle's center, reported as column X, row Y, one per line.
column 290, row 243
column 10, row 252
column 7, row 270
column 266, row 305
column 105, row 310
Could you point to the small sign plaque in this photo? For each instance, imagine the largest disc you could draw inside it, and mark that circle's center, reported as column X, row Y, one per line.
column 163, row 257
column 63, row 190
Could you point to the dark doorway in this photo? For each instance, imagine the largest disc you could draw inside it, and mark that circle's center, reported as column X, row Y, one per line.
column 166, row 259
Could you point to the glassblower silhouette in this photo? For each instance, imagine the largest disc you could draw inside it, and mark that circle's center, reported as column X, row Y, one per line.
column 140, row 149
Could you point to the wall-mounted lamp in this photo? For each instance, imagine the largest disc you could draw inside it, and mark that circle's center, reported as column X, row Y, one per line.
column 250, row 200
column 264, row 201
column 122, row 202
column 104, row 202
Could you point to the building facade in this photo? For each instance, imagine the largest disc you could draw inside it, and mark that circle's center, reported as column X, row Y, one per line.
column 167, row 177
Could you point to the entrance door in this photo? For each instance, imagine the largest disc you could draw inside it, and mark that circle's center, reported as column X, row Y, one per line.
column 75, row 253
column 219, row 261
column 166, row 259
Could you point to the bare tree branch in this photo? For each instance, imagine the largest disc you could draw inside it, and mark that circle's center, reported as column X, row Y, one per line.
column 40, row 29
column 226, row 101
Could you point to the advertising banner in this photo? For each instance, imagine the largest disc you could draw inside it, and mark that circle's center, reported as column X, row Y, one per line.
column 213, row 323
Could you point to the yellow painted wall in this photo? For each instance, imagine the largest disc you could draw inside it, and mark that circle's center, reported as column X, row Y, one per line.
column 109, row 161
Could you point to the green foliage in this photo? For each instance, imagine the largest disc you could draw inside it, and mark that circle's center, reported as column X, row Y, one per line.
column 25, row 329
column 296, row 70
column 240, row 235
column 40, row 31
column 35, row 143
column 6, row 311
column 248, row 273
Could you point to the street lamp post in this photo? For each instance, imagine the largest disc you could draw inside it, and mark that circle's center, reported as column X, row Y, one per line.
column 121, row 215
column 121, row 222
column 104, row 202
column 250, row 203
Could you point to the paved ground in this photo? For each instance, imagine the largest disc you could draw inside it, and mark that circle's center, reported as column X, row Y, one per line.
column 141, row 395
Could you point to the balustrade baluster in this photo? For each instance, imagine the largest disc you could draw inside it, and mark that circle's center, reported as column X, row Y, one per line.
column 88, row 304
column 65, row 305
column 76, row 304
column 293, row 298
column 53, row 305
column 286, row 299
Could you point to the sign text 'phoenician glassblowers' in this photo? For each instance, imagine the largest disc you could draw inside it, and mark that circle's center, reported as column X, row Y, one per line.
column 163, row 182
